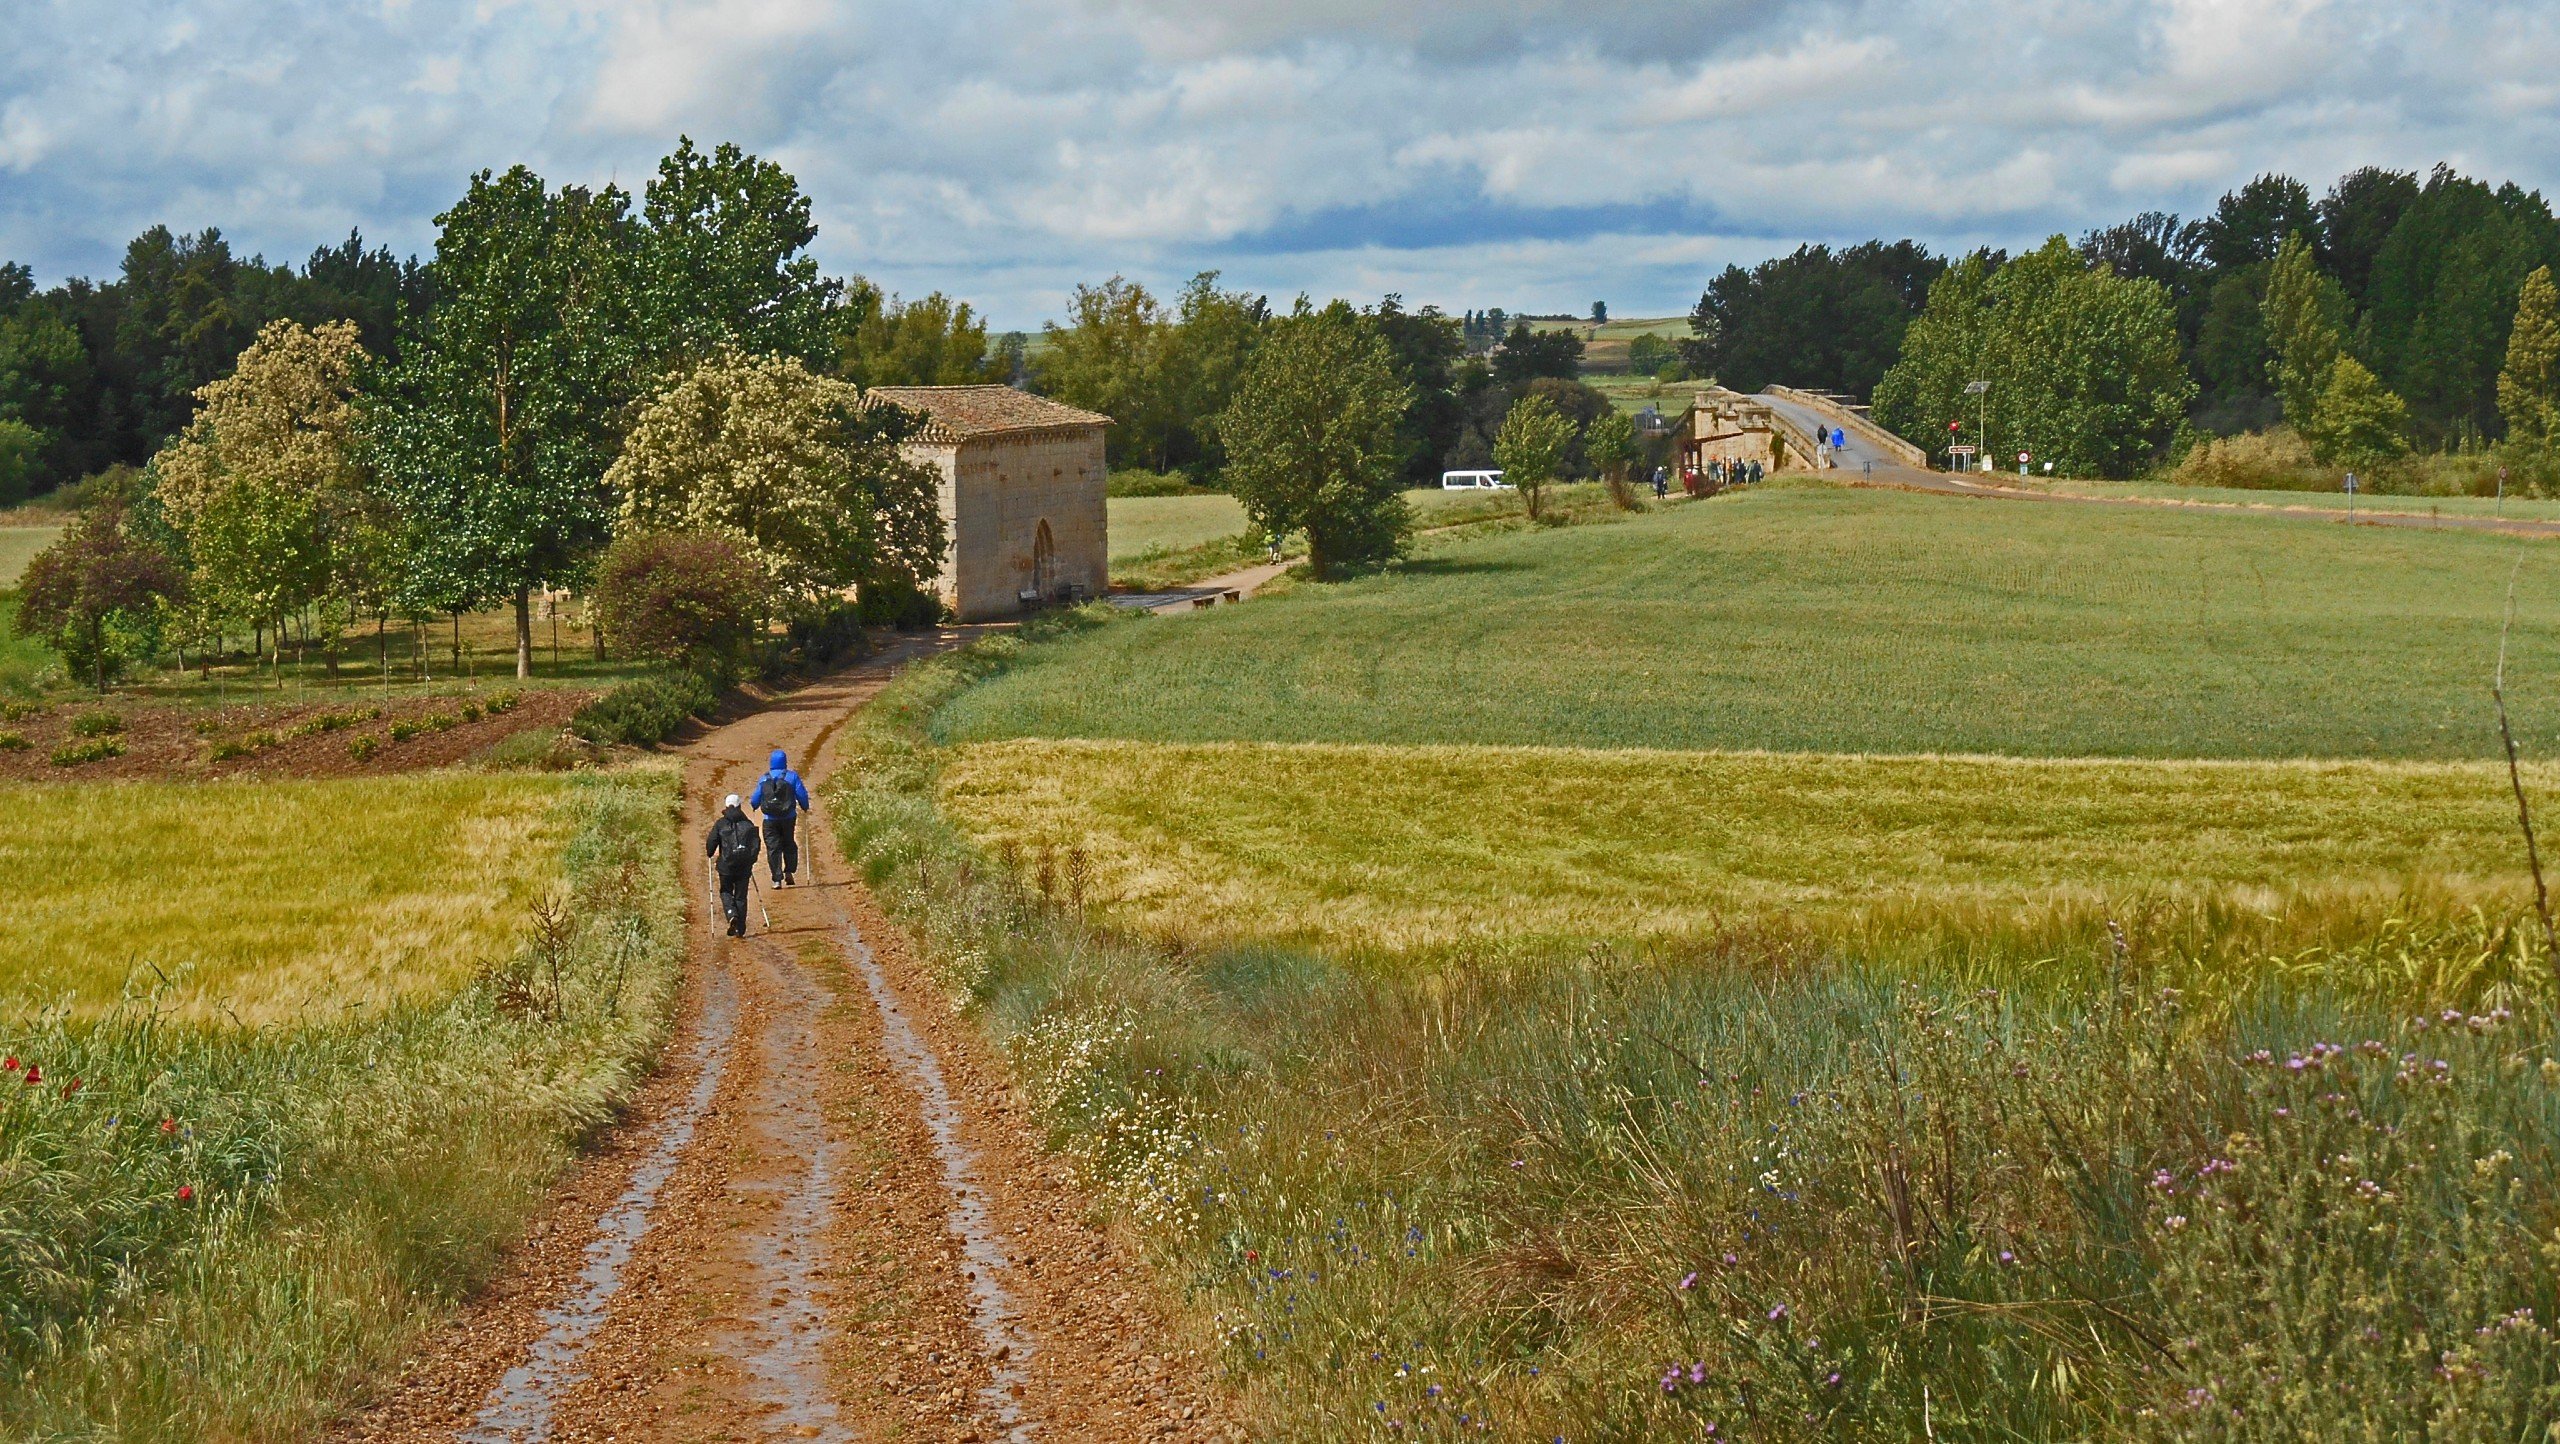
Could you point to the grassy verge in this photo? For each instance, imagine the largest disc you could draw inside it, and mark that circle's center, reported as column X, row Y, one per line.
column 1764, row 1190
column 215, row 1232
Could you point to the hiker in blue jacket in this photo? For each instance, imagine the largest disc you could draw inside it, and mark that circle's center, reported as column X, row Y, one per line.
column 781, row 797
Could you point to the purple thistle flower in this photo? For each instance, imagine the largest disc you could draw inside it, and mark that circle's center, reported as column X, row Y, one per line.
column 1690, row 1282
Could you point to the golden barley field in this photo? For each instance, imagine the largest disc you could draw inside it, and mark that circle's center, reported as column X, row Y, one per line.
column 269, row 902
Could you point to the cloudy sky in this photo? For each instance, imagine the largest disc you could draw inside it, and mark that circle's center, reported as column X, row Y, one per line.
column 1533, row 154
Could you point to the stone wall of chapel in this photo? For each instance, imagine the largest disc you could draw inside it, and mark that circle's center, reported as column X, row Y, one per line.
column 996, row 492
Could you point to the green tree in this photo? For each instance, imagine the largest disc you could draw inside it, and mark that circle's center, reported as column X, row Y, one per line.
column 1314, row 438
column 493, row 431
column 2358, row 422
column 2084, row 364
column 724, row 263
column 2529, row 384
column 2444, row 293
column 98, row 594
column 1108, row 358
column 1212, row 341
column 793, row 466
column 1611, row 445
column 1818, row 317
column 1527, row 355
column 22, row 452
column 47, row 382
column 2251, row 223
column 263, row 480
column 1530, row 449
column 883, row 341
column 2306, row 314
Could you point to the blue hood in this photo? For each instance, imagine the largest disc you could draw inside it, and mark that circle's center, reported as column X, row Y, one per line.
column 779, row 761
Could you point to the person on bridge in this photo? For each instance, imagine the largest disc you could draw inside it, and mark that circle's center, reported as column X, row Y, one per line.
column 732, row 849
column 781, row 797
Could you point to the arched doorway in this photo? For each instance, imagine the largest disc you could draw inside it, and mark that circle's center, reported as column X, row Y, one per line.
column 1044, row 564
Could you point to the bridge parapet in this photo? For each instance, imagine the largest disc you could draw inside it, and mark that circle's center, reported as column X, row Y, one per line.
column 1854, row 419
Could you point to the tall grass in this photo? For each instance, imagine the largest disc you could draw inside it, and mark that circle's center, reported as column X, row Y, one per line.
column 1764, row 1190
column 224, row 1233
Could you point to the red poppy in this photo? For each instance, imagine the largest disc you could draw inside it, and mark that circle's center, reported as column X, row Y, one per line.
column 1253, row 1255
column 168, row 1125
column 34, row 1074
column 186, row 1193
column 11, row 1063
column 71, row 1087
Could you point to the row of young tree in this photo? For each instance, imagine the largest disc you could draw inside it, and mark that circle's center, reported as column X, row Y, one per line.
column 593, row 365
column 2417, row 283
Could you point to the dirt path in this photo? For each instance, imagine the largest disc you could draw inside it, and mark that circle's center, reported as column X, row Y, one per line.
column 827, row 1219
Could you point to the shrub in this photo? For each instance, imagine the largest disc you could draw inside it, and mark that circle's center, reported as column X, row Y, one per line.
column 1138, row 481
column 96, row 594
column 14, row 741
column 500, row 703
column 471, row 712
column 96, row 724
column 21, row 711
column 686, row 597
column 901, row 605
column 364, row 746
column 408, row 727
column 645, row 711
column 74, row 754
column 246, row 745
column 338, row 721
column 2274, row 460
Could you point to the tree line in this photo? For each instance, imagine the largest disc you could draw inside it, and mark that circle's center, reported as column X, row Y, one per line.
column 2400, row 294
column 574, row 369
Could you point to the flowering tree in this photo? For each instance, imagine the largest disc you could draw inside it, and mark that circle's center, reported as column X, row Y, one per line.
column 275, row 512
column 795, row 467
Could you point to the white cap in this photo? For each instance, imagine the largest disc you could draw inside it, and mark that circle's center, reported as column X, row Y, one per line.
column 732, row 802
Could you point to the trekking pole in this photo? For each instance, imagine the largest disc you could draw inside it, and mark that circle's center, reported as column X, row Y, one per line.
column 759, row 892
column 711, row 881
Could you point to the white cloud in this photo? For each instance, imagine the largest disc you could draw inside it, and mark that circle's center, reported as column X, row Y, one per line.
column 1469, row 152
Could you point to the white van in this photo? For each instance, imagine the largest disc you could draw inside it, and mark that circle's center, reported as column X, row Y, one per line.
column 1473, row 481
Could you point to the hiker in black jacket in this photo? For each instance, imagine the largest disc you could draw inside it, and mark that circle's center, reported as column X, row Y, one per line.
column 732, row 848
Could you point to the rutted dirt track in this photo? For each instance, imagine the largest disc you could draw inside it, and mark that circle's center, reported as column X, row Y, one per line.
column 826, row 1219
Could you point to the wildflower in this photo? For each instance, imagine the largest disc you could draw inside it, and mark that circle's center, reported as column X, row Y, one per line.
column 1778, row 1314
column 2007, row 1257
column 2165, row 1180
column 168, row 1125
column 1671, row 1380
column 1832, row 1381
column 186, row 1193
column 1697, row 1373
column 35, row 1075
column 71, row 1087
column 10, row 1063
column 1250, row 1255
column 1433, row 1391
column 1730, row 1261
column 2175, row 1222
column 1689, row 1282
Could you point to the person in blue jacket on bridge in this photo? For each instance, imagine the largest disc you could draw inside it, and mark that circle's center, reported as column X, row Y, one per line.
column 781, row 797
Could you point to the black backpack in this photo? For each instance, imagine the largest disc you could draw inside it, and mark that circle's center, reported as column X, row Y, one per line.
column 774, row 797
column 737, row 849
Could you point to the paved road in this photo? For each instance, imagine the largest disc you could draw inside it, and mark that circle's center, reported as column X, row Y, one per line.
column 1864, row 463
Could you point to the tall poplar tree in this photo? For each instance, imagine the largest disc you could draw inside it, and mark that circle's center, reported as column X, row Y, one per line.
column 2529, row 386
column 494, row 429
column 2306, row 316
column 724, row 263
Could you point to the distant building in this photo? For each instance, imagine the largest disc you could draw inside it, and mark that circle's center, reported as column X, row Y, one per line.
column 1023, row 483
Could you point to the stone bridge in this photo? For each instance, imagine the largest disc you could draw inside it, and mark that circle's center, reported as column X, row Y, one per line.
column 1782, row 428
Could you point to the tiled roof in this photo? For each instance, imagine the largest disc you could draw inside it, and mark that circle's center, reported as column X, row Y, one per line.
column 956, row 413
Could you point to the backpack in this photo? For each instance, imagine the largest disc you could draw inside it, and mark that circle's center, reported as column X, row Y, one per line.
column 737, row 849
column 774, row 797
